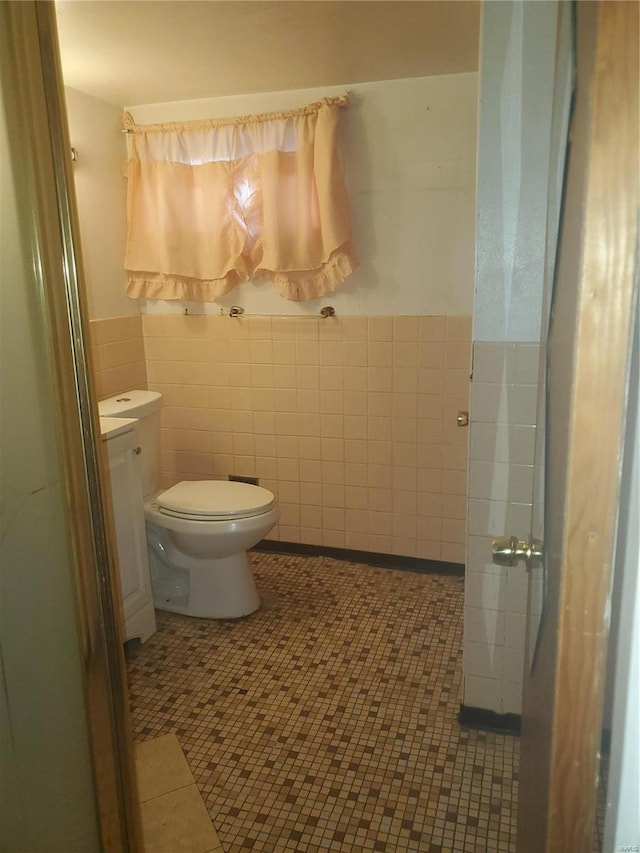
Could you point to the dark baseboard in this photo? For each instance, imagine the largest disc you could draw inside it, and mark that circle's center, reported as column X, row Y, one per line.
column 480, row 718
column 385, row 561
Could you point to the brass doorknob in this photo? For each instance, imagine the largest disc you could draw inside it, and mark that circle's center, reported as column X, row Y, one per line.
column 507, row 550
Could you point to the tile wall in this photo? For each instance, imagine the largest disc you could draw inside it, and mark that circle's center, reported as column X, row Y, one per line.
column 350, row 421
column 117, row 351
column 501, row 458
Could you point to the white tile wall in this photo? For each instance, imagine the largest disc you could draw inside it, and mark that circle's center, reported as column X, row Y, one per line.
column 483, row 693
column 502, row 442
column 483, row 625
column 501, row 457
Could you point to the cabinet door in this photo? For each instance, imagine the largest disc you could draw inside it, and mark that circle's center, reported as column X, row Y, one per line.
column 128, row 513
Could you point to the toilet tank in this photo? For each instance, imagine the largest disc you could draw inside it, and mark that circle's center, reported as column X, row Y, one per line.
column 145, row 407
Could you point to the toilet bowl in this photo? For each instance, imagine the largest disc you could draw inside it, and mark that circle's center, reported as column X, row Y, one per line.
column 197, row 531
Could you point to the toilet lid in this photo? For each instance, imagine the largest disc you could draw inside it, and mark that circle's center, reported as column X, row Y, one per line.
column 219, row 499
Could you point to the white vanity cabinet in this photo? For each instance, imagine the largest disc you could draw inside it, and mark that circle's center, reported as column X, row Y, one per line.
column 122, row 451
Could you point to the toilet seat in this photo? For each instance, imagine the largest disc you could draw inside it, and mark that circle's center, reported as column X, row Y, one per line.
column 214, row 500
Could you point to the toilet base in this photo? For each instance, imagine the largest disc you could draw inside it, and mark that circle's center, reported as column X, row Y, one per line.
column 214, row 588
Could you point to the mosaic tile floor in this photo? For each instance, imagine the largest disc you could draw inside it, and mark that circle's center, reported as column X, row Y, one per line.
column 327, row 720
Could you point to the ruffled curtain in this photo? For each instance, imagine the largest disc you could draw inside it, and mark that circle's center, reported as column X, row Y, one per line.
column 214, row 203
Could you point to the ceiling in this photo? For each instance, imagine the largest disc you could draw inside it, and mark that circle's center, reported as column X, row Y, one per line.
column 149, row 51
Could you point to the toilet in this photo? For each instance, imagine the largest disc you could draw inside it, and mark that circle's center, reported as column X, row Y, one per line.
column 198, row 531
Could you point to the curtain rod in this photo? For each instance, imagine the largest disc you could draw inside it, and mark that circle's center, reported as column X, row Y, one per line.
column 130, row 126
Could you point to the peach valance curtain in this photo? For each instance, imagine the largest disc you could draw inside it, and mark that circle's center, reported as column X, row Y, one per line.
column 214, row 203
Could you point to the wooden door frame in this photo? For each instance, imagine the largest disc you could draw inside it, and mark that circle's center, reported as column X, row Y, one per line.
column 590, row 342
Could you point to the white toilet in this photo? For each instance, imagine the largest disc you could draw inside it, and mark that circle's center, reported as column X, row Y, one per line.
column 197, row 531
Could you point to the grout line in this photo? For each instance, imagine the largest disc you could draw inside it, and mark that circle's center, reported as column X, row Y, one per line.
column 171, row 791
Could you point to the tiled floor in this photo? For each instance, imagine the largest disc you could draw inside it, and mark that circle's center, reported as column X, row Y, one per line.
column 327, row 720
column 174, row 818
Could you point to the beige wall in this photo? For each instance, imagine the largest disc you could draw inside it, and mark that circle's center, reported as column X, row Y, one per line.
column 117, row 354
column 95, row 128
column 350, row 421
column 409, row 149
